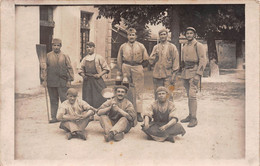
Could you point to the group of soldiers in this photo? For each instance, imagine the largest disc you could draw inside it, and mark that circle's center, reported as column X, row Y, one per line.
column 117, row 114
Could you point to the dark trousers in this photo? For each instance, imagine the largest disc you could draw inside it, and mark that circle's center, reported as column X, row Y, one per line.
column 56, row 93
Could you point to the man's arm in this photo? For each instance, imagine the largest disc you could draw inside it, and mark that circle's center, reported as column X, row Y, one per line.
column 154, row 57
column 63, row 116
column 202, row 59
column 104, row 108
column 175, row 64
column 70, row 72
column 172, row 118
column 123, row 113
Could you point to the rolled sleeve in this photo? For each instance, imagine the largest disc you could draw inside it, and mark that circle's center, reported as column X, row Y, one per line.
column 61, row 111
column 172, row 112
column 149, row 111
column 104, row 65
column 131, row 111
column 81, row 68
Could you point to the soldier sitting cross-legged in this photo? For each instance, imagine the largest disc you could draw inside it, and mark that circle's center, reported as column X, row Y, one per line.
column 74, row 115
column 117, row 115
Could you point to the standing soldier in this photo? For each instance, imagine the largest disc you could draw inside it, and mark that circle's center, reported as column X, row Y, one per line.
column 165, row 56
column 130, row 57
column 194, row 58
column 59, row 76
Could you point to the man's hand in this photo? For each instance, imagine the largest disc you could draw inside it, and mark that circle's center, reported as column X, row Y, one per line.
column 97, row 76
column 173, row 80
column 163, row 128
column 68, row 84
column 196, row 79
column 146, row 126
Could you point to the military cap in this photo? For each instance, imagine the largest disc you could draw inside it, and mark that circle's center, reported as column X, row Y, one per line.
column 162, row 30
column 121, row 86
column 131, row 30
column 56, row 41
column 162, row 88
column 90, row 44
column 191, row 28
column 108, row 93
column 72, row 91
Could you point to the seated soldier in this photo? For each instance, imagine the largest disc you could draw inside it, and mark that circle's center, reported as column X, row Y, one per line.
column 160, row 122
column 117, row 115
column 74, row 115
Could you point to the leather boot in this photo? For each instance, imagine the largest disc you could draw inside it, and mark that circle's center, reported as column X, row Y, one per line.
column 187, row 119
column 193, row 112
column 119, row 136
column 139, row 117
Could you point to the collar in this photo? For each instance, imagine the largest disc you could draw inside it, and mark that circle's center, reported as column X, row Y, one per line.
column 90, row 57
column 192, row 42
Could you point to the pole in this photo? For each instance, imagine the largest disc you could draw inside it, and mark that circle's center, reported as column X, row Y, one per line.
column 42, row 56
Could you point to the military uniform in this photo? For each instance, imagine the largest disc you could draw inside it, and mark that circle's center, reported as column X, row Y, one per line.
column 194, row 58
column 113, row 121
column 59, row 72
column 166, row 65
column 129, row 60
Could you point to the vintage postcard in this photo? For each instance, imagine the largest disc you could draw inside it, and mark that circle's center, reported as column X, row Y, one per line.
column 129, row 83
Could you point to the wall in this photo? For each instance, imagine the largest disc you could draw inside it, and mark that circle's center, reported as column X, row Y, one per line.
column 67, row 28
column 27, row 29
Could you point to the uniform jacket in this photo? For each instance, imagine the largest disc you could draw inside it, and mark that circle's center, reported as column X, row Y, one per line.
column 128, row 52
column 168, row 60
column 125, row 105
column 59, row 69
column 193, row 53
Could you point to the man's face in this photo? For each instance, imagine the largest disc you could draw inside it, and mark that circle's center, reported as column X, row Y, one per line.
column 131, row 37
column 190, row 35
column 90, row 49
column 162, row 96
column 56, row 47
column 163, row 36
column 72, row 98
column 120, row 93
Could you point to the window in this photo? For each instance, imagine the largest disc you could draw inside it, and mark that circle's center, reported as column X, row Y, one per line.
column 46, row 26
column 84, row 32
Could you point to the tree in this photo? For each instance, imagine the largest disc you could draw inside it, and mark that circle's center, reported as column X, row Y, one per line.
column 211, row 21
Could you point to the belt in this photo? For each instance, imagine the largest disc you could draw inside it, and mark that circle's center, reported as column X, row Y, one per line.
column 132, row 63
column 190, row 65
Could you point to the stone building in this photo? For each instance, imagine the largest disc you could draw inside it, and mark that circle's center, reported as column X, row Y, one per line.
column 75, row 25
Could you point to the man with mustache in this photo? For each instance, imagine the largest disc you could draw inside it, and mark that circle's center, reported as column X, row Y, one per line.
column 130, row 57
column 194, row 58
column 117, row 115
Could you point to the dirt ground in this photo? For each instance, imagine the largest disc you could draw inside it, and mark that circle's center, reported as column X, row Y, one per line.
column 220, row 133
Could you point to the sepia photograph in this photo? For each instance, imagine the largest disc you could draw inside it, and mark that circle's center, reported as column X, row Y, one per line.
column 108, row 83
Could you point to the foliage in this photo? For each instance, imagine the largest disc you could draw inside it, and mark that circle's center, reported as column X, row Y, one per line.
column 208, row 20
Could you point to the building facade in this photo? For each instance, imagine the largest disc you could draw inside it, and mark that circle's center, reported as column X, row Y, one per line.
column 74, row 25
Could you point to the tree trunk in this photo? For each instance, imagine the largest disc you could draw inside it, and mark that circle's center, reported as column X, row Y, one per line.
column 213, row 58
column 175, row 28
column 239, row 54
